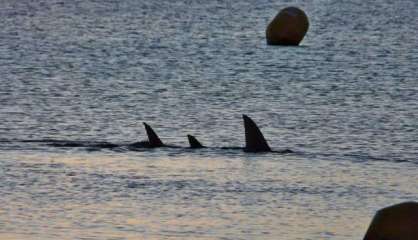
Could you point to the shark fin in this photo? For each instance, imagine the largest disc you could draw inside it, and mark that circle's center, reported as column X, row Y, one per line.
column 254, row 139
column 194, row 143
column 153, row 139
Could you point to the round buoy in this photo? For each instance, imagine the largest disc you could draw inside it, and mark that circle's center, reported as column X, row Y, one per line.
column 288, row 27
column 395, row 222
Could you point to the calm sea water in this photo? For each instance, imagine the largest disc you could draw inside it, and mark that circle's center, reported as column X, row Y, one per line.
column 345, row 102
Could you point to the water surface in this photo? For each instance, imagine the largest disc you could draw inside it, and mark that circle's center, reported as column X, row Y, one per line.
column 345, row 102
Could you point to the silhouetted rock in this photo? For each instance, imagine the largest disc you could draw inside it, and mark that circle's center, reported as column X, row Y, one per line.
column 288, row 27
column 397, row 222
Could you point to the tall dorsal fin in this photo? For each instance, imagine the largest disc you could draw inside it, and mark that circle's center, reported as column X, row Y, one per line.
column 153, row 139
column 254, row 139
column 194, row 143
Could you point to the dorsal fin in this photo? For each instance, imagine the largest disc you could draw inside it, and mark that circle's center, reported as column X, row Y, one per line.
column 153, row 139
column 194, row 143
column 254, row 139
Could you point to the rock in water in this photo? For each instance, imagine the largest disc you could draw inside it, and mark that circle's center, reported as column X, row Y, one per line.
column 395, row 222
column 288, row 27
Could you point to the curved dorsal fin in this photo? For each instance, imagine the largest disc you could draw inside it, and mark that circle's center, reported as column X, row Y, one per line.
column 254, row 139
column 153, row 139
column 194, row 143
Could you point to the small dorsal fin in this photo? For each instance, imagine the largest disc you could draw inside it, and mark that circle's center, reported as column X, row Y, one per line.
column 194, row 143
column 254, row 139
column 153, row 139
